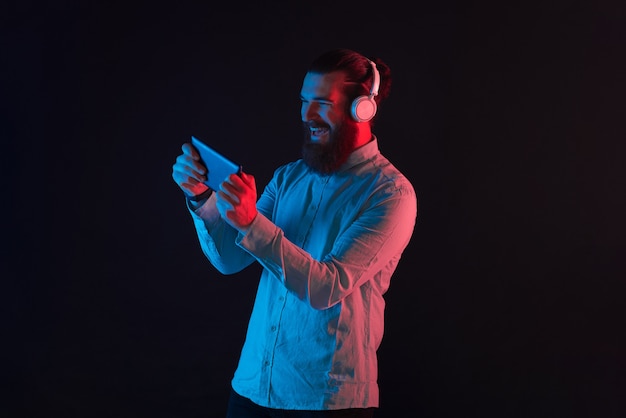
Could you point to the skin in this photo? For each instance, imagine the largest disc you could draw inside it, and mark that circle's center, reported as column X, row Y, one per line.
column 323, row 105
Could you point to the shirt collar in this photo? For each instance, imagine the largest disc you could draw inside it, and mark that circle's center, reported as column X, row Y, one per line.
column 361, row 154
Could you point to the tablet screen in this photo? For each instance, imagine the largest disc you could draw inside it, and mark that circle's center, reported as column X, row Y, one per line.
column 218, row 167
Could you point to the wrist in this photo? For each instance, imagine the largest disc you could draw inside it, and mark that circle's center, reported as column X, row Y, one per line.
column 202, row 196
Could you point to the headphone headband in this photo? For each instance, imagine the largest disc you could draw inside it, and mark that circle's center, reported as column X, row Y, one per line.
column 376, row 81
column 364, row 107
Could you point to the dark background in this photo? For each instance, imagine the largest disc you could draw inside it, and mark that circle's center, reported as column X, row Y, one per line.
column 508, row 119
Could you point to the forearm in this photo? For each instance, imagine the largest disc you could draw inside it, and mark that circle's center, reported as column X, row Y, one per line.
column 218, row 239
column 371, row 248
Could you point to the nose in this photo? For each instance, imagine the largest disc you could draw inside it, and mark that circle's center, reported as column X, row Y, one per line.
column 308, row 111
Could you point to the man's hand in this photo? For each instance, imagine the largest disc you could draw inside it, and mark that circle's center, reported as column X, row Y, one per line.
column 236, row 200
column 188, row 172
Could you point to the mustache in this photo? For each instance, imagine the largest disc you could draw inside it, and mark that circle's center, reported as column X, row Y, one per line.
column 312, row 124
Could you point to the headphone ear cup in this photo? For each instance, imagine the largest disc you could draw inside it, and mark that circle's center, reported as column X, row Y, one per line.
column 363, row 108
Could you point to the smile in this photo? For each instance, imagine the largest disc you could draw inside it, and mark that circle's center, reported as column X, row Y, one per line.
column 318, row 133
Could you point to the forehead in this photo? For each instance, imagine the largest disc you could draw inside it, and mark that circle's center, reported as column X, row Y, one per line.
column 328, row 85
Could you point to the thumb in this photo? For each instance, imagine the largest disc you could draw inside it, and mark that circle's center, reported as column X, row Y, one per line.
column 247, row 178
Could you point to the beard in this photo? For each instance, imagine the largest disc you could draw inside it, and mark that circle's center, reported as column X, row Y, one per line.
column 326, row 158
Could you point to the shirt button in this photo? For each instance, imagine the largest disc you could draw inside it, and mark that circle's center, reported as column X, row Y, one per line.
column 281, row 298
column 267, row 363
column 273, row 328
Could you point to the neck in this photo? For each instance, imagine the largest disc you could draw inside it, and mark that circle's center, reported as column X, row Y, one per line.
column 364, row 134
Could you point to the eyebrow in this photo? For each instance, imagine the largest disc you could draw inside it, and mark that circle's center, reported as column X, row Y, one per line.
column 317, row 98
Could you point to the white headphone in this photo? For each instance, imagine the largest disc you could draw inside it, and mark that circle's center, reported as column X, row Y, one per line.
column 364, row 107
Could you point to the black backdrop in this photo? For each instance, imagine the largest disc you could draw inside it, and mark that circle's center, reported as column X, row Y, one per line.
column 508, row 119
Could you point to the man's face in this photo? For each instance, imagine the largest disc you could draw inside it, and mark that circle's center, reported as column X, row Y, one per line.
column 329, row 131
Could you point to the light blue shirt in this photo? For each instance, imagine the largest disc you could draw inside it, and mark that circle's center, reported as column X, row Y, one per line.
column 329, row 245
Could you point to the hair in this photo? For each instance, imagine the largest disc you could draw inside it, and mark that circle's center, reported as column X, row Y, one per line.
column 358, row 69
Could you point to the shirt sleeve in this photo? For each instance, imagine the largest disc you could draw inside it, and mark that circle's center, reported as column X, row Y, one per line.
column 218, row 239
column 370, row 246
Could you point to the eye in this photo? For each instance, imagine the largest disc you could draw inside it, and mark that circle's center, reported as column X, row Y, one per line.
column 319, row 103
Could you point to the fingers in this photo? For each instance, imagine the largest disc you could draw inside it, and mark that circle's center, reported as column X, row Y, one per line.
column 236, row 200
column 236, row 186
column 241, row 181
column 233, row 188
column 230, row 189
column 190, row 150
column 188, row 172
column 189, row 163
column 248, row 179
